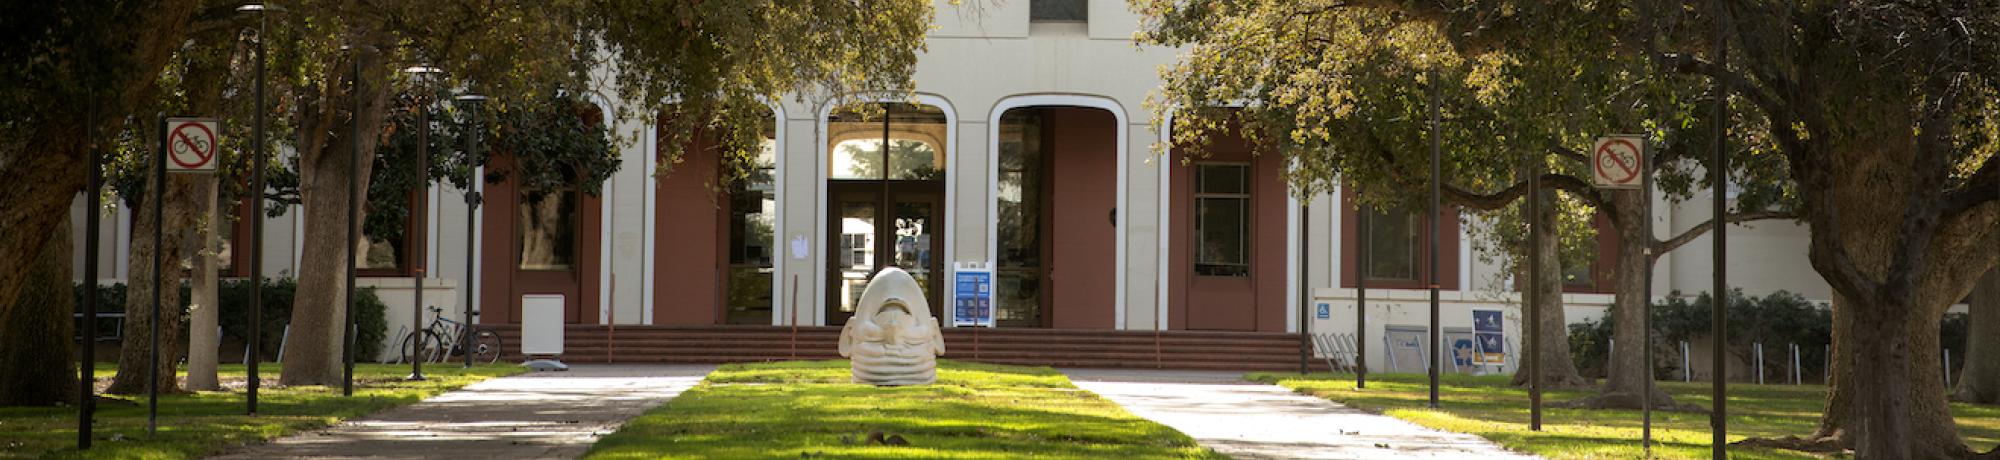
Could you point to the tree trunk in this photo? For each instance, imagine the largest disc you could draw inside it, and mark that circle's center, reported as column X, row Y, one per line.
column 1625, row 381
column 1979, row 382
column 41, row 184
column 1895, row 261
column 313, row 356
column 204, row 313
column 135, row 351
column 37, row 359
column 1558, row 368
column 1898, row 404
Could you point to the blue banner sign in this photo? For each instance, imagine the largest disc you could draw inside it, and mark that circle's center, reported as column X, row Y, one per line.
column 974, row 303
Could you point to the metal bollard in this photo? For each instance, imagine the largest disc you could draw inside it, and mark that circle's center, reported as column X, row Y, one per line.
column 1758, row 348
column 1687, row 371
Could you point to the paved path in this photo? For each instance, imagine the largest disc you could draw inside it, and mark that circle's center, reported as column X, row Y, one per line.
column 534, row 415
column 1254, row 421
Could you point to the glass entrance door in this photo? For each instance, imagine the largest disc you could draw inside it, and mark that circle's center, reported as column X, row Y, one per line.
column 867, row 238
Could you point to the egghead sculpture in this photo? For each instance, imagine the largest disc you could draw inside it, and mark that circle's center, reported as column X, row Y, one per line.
column 892, row 339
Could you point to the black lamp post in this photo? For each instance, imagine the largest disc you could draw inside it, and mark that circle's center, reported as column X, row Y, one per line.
column 86, row 361
column 1436, row 341
column 353, row 225
column 472, row 200
column 422, row 74
column 257, row 210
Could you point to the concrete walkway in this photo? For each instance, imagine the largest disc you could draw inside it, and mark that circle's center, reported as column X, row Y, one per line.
column 1254, row 421
column 534, row 415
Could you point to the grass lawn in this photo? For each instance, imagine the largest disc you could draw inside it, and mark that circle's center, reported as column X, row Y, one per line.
column 1486, row 406
column 197, row 424
column 803, row 409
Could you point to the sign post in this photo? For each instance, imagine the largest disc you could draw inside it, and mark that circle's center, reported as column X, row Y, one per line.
column 1618, row 162
column 187, row 145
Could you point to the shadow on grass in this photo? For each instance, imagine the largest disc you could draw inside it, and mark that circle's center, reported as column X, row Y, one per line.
column 1488, row 407
column 192, row 425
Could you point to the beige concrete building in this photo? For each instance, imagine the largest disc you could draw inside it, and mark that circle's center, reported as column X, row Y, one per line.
column 1031, row 151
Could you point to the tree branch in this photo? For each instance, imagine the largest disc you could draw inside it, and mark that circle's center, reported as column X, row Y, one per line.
column 1668, row 245
column 1982, row 187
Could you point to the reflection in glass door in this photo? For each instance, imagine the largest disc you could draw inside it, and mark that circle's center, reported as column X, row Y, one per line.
column 854, row 251
column 916, row 245
column 863, row 245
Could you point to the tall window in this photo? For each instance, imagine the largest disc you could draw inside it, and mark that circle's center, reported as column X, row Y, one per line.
column 1222, row 219
column 1393, row 239
column 1018, row 276
column 753, row 209
column 548, row 229
column 1059, row 10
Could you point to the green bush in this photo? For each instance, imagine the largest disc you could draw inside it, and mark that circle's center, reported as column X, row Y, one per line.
column 233, row 295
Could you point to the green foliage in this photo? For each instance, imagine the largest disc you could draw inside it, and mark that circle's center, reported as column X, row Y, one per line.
column 802, row 409
column 711, row 65
column 234, row 315
column 556, row 140
column 1488, row 407
column 199, row 425
column 1343, row 92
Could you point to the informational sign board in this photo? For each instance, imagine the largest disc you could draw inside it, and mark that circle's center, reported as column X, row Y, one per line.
column 192, row 144
column 1489, row 327
column 1324, row 311
column 1460, row 349
column 1617, row 161
column 973, row 304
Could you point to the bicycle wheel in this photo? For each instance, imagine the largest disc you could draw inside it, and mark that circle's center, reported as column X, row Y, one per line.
column 421, row 346
column 447, row 344
column 486, row 347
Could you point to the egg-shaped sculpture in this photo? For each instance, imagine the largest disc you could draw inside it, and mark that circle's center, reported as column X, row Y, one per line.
column 892, row 340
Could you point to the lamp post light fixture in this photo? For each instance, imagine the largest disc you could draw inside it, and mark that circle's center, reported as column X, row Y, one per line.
column 472, row 200
column 257, row 158
column 422, row 74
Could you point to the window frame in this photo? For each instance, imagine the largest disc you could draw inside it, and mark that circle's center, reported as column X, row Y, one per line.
column 1449, row 245
column 415, row 236
column 1083, row 8
column 1416, row 250
column 1604, row 268
column 576, row 224
column 1246, row 217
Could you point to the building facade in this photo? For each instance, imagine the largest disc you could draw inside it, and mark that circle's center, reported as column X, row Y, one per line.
column 1029, row 150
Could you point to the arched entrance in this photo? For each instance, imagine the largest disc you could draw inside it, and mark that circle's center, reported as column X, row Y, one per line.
column 885, row 201
column 1057, row 245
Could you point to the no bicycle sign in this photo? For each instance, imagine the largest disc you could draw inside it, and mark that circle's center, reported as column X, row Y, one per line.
column 192, row 144
column 1617, row 161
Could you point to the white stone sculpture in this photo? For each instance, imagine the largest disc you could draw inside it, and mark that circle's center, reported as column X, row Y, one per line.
column 893, row 340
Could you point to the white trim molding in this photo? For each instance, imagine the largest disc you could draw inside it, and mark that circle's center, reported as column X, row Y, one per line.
column 605, row 241
column 778, row 249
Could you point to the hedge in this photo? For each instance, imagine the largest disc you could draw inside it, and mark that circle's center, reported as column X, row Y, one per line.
column 1777, row 320
column 233, row 296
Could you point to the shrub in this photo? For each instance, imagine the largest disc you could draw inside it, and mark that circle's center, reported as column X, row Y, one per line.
column 234, row 313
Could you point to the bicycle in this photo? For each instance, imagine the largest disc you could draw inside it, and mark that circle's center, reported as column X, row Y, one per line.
column 439, row 340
